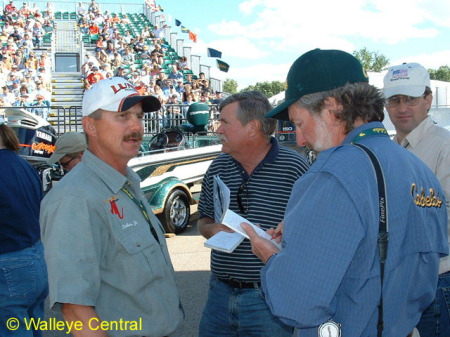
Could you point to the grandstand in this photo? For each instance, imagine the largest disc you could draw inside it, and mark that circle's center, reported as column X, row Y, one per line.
column 70, row 45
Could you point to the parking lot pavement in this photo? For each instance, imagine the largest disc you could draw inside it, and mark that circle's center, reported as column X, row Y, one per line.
column 191, row 261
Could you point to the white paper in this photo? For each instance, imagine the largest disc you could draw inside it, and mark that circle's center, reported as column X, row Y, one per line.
column 224, row 241
column 221, row 198
column 229, row 218
column 234, row 220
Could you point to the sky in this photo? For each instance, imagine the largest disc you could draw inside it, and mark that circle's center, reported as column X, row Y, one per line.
column 260, row 39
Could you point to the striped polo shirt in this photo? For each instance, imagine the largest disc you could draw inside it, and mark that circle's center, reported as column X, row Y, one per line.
column 264, row 197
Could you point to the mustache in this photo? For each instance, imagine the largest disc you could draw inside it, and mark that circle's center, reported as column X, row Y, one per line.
column 134, row 136
column 222, row 138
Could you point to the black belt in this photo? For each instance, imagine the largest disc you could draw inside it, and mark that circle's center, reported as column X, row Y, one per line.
column 239, row 284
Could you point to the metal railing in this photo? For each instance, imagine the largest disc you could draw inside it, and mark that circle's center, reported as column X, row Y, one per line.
column 168, row 117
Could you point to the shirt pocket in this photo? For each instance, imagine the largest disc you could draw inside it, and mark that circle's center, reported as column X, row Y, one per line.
column 136, row 240
column 141, row 257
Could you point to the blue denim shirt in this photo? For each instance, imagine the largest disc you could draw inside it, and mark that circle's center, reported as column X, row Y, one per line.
column 329, row 266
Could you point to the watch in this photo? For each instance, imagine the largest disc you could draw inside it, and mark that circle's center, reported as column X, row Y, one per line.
column 330, row 329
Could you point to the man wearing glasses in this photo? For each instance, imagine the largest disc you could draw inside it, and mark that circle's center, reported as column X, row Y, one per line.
column 260, row 175
column 69, row 149
column 408, row 96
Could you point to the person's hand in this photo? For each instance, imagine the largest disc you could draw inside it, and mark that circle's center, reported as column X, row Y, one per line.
column 276, row 233
column 261, row 247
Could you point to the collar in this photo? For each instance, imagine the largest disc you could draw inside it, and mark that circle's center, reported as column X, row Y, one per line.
column 362, row 128
column 109, row 175
column 270, row 157
column 416, row 135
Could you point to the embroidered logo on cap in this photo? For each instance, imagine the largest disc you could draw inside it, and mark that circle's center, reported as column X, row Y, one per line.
column 399, row 74
column 126, row 86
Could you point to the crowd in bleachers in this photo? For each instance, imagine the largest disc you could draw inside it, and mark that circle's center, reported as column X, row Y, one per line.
column 129, row 46
column 25, row 67
column 122, row 44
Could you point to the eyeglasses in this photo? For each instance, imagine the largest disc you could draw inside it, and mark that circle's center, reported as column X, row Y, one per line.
column 241, row 189
column 394, row 101
column 67, row 162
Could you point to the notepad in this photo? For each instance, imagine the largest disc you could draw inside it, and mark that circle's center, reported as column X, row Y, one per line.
column 234, row 220
column 224, row 241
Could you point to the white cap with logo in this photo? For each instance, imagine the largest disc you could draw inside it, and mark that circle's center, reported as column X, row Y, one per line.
column 116, row 94
column 409, row 79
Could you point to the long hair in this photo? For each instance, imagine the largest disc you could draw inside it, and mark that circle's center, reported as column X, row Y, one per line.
column 358, row 100
column 8, row 138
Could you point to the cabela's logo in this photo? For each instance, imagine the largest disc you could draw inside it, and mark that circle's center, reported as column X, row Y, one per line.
column 422, row 200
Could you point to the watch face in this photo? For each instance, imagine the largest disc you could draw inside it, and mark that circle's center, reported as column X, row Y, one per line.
column 330, row 329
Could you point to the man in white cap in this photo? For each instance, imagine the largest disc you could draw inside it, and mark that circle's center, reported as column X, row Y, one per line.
column 408, row 96
column 69, row 149
column 107, row 257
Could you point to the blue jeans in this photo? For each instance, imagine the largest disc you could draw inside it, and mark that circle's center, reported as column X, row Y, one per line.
column 23, row 289
column 435, row 320
column 239, row 312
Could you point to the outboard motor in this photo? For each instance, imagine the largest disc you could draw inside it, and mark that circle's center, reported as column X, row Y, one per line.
column 37, row 140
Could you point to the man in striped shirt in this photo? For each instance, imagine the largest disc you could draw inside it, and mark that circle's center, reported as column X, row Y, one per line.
column 260, row 174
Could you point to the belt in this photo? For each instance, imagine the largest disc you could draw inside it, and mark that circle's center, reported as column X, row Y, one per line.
column 240, row 284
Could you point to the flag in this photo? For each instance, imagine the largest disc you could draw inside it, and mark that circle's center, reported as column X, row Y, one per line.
column 163, row 17
column 192, row 36
column 151, row 4
column 160, row 8
column 184, row 29
column 214, row 53
column 222, row 66
column 177, row 22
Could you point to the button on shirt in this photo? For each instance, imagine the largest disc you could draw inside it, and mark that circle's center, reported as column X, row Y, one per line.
column 100, row 251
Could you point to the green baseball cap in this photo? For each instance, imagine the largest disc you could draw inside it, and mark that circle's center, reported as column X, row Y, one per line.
column 316, row 71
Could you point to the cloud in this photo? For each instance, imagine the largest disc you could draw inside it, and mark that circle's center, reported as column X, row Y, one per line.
column 384, row 20
column 239, row 47
column 275, row 33
column 247, row 6
column 428, row 60
column 250, row 75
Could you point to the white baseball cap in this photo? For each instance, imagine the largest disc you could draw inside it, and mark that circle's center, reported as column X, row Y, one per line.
column 116, row 94
column 409, row 79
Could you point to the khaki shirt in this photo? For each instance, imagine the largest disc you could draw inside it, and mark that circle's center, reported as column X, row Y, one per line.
column 100, row 251
column 431, row 143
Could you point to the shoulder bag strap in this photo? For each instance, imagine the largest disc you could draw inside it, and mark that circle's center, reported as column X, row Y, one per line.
column 383, row 233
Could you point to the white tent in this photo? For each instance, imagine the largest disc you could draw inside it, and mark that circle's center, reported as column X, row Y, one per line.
column 441, row 90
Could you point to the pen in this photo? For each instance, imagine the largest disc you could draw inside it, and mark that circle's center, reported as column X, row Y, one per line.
column 274, row 236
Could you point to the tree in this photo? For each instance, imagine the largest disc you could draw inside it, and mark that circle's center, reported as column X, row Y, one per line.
column 267, row 88
column 371, row 60
column 230, row 86
column 441, row 74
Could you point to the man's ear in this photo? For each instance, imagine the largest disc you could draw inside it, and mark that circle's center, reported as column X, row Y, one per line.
column 429, row 101
column 253, row 127
column 89, row 125
column 332, row 107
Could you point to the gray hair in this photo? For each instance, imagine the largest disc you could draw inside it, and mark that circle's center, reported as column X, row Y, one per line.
column 358, row 100
column 253, row 105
